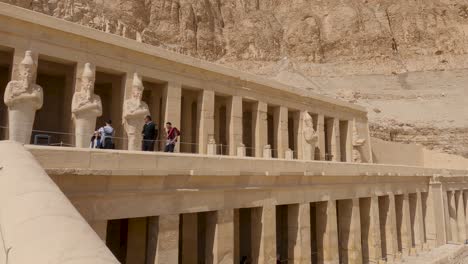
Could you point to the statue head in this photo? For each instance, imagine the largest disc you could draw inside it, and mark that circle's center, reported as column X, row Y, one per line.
column 87, row 79
column 27, row 69
column 137, row 87
column 308, row 122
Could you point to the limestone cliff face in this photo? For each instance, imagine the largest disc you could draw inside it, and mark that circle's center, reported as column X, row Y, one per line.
column 380, row 51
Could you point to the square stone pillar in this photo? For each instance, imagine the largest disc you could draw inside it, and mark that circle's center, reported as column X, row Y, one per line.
column 452, row 214
column 374, row 242
column 406, row 233
column 221, row 229
column 206, row 129
column 465, row 202
column 461, row 219
column 261, row 128
column 172, row 95
column 349, row 231
column 281, row 113
column 100, row 227
column 354, row 242
column 388, row 212
column 167, row 249
column 327, row 232
column 333, row 140
column 136, row 240
column 435, row 220
column 336, row 138
column 321, row 135
column 419, row 223
column 235, row 124
column 299, row 246
column 264, row 235
column 349, row 142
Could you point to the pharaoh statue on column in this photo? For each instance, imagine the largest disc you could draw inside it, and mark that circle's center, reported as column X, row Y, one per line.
column 309, row 137
column 86, row 107
column 357, row 145
column 134, row 112
column 23, row 98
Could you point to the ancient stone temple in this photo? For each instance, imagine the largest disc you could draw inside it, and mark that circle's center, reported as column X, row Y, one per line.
column 262, row 172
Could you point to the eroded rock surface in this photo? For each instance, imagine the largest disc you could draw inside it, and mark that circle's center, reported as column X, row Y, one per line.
column 409, row 54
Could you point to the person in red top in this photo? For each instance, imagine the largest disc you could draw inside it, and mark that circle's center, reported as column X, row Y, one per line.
column 172, row 135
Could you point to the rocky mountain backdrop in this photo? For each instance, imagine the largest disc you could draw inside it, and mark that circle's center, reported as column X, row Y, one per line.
column 406, row 60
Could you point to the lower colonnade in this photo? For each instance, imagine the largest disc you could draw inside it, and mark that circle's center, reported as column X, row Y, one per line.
column 155, row 208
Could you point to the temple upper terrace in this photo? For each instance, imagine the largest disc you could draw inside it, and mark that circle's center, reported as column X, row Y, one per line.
column 218, row 110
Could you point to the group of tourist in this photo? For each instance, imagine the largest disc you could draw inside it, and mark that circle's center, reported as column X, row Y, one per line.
column 103, row 137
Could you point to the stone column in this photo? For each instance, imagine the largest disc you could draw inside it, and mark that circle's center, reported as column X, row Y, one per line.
column 452, row 213
column 223, row 237
column 206, row 129
column 336, row 148
column 235, row 124
column 435, row 221
column 391, row 240
column 406, row 233
column 349, row 142
column 264, row 235
column 354, row 242
column 167, row 249
column 172, row 95
column 327, row 232
column 136, row 240
column 419, row 223
column 321, row 135
column 261, row 128
column 331, row 138
column 299, row 245
column 461, row 219
column 465, row 202
column 100, row 227
column 282, row 131
column 374, row 242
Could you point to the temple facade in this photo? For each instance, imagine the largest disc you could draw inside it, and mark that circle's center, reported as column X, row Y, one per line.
column 263, row 172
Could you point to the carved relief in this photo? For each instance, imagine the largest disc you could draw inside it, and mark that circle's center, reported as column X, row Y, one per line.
column 134, row 112
column 23, row 98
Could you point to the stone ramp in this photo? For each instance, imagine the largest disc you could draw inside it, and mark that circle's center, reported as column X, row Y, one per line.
column 38, row 224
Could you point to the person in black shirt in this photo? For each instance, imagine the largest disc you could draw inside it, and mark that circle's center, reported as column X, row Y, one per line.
column 150, row 134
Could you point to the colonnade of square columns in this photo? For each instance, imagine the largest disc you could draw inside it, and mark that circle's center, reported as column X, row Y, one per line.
column 379, row 229
column 265, row 129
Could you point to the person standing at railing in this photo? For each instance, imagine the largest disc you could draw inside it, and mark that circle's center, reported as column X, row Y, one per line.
column 107, row 132
column 150, row 134
column 172, row 135
column 95, row 140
